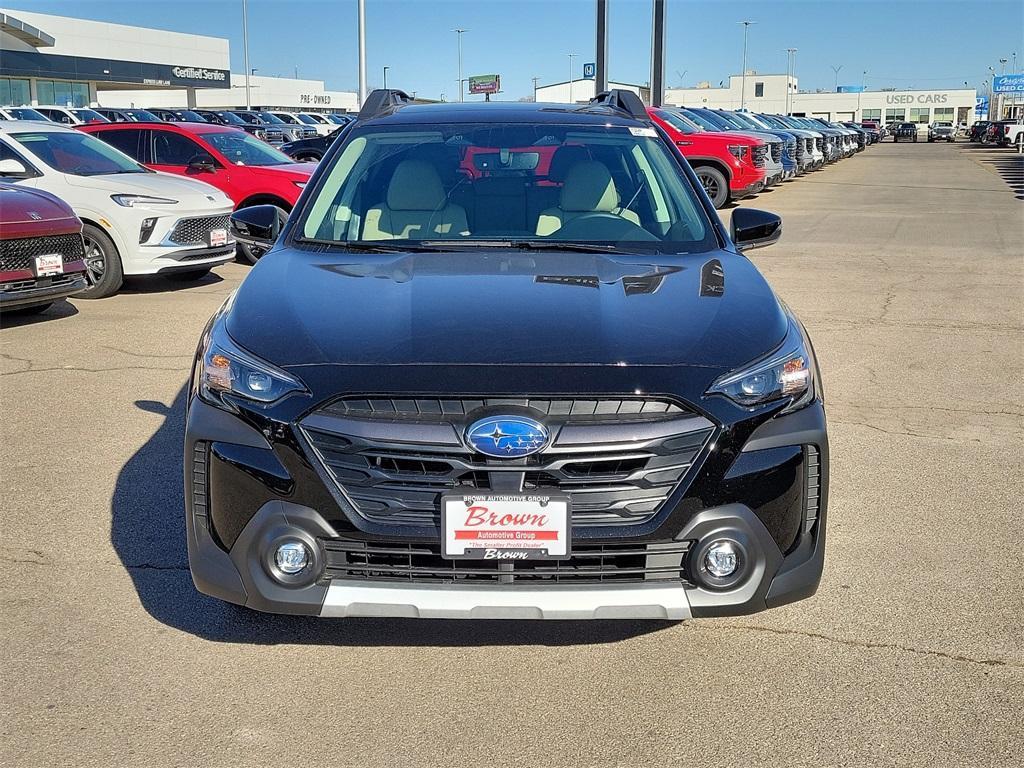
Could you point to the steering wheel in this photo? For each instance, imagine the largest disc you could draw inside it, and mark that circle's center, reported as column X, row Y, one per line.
column 601, row 225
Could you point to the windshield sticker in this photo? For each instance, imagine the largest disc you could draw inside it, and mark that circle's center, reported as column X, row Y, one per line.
column 649, row 132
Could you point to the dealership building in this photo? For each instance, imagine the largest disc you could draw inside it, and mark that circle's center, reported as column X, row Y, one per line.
column 64, row 61
column 768, row 93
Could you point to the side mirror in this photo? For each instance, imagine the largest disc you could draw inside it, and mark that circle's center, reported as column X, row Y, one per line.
column 752, row 228
column 202, row 164
column 14, row 169
column 258, row 225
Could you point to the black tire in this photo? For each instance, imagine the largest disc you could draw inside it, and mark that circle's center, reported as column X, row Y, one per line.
column 188, row 275
column 714, row 183
column 103, row 263
column 35, row 309
column 308, row 158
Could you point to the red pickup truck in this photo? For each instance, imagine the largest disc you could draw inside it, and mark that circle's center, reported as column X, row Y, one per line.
column 42, row 255
column 725, row 163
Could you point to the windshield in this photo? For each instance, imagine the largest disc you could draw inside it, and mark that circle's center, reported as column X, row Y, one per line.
column 307, row 120
column 286, row 118
column 24, row 113
column 190, row 117
column 230, row 118
column 78, row 154
column 676, row 120
column 242, row 149
column 745, row 121
column 268, row 117
column 315, row 118
column 143, row 116
column 89, row 116
column 337, row 119
column 701, row 120
column 508, row 185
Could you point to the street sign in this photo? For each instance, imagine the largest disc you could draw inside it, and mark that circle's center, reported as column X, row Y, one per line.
column 1008, row 84
column 484, row 83
column 589, row 71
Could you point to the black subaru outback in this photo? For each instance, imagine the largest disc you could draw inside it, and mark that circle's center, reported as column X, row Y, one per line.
column 505, row 361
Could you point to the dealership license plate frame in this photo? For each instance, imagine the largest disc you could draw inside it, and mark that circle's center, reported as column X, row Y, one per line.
column 48, row 265
column 218, row 237
column 556, row 504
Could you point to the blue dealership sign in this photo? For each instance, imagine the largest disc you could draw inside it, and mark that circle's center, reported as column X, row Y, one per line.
column 1008, row 84
column 981, row 106
column 589, row 71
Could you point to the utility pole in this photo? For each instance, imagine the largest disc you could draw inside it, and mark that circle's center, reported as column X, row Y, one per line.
column 535, row 79
column 386, row 77
column 362, row 51
column 836, row 70
column 571, row 57
column 245, row 48
column 743, row 73
column 863, row 85
column 790, row 75
column 601, row 60
column 459, row 32
column 658, row 53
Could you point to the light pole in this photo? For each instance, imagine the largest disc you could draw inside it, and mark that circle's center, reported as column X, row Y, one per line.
column 682, row 76
column 571, row 57
column 362, row 51
column 743, row 73
column 245, row 48
column 790, row 74
column 863, row 85
column 1002, row 66
column 386, row 77
column 836, row 70
column 459, row 32
column 535, row 79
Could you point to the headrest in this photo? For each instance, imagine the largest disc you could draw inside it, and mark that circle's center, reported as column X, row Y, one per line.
column 565, row 158
column 415, row 186
column 589, row 187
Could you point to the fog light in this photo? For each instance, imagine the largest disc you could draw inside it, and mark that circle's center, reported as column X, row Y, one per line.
column 146, row 229
column 722, row 559
column 291, row 557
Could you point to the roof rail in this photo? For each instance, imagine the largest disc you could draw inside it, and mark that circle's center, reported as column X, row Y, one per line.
column 622, row 100
column 383, row 100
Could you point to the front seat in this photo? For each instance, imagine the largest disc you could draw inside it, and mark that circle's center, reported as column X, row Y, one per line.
column 416, row 207
column 588, row 188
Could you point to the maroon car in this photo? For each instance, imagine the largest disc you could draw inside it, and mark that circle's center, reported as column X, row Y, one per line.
column 42, row 257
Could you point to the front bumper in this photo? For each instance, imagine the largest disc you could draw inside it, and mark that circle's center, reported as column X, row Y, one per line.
column 36, row 291
column 244, row 495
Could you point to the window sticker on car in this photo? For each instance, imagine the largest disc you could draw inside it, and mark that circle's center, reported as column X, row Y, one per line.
column 649, row 132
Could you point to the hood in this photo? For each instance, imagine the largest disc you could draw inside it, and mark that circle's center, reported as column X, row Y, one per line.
column 185, row 190
column 24, row 205
column 508, row 308
column 296, row 171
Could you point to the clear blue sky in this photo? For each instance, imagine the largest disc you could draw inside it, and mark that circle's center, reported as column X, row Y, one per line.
column 936, row 44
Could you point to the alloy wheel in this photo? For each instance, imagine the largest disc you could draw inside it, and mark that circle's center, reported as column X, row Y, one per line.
column 95, row 260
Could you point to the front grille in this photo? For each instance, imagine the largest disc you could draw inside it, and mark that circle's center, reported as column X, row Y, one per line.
column 776, row 151
column 422, row 563
column 21, row 253
column 618, row 459
column 759, row 155
column 56, row 281
column 196, row 231
column 812, row 490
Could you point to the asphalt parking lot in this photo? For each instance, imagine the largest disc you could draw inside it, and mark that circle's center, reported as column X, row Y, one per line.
column 905, row 263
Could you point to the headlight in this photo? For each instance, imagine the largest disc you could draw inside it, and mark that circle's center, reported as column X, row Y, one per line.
column 130, row 201
column 786, row 373
column 738, row 150
column 225, row 368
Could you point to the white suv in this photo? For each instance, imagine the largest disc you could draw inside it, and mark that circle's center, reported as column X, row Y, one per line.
column 136, row 221
column 70, row 115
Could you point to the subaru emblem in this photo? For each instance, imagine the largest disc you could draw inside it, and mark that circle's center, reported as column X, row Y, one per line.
column 507, row 437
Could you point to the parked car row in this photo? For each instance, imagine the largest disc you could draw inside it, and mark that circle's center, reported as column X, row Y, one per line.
column 737, row 153
column 1003, row 133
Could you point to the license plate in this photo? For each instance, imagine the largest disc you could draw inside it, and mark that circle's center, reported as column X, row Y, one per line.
column 218, row 237
column 49, row 264
column 504, row 528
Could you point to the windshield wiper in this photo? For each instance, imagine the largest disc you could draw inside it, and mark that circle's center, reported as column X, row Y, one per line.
column 533, row 245
column 367, row 246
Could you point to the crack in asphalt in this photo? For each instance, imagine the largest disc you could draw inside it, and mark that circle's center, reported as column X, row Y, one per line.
column 145, row 354
column 904, row 433
column 83, row 369
column 872, row 645
column 929, row 408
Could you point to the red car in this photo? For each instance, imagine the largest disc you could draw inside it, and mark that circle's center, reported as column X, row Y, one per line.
column 246, row 169
column 42, row 255
column 724, row 162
